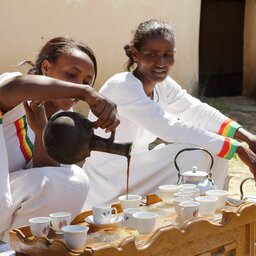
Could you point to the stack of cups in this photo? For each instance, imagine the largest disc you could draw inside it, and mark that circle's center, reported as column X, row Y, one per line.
column 189, row 189
column 184, row 203
column 188, row 202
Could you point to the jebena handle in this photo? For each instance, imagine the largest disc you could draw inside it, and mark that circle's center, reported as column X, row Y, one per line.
column 110, row 140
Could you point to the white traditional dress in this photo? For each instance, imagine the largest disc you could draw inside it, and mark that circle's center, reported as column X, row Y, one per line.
column 173, row 116
column 29, row 192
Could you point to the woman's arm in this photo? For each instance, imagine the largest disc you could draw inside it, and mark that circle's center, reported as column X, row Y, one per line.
column 191, row 109
column 34, row 87
column 37, row 120
column 248, row 157
column 243, row 135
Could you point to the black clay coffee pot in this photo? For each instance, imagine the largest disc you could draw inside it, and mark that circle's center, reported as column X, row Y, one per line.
column 69, row 138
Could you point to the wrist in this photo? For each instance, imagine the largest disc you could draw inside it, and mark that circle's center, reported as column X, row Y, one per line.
column 86, row 95
column 241, row 149
column 242, row 135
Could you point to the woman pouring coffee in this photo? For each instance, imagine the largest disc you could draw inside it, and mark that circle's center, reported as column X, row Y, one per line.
column 31, row 183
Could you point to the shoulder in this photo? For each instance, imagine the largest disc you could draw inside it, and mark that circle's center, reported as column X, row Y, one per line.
column 169, row 84
column 124, row 81
column 120, row 79
column 14, row 114
column 9, row 75
column 122, row 88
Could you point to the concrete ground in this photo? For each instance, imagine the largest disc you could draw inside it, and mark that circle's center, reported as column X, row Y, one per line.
column 243, row 110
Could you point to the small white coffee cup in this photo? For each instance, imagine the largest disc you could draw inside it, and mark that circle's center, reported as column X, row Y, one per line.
column 102, row 213
column 130, row 201
column 177, row 201
column 183, row 194
column 189, row 209
column 60, row 220
column 221, row 194
column 194, row 191
column 129, row 220
column 145, row 221
column 187, row 185
column 208, row 205
column 40, row 226
column 75, row 236
column 167, row 193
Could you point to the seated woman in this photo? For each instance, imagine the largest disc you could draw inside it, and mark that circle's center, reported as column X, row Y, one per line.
column 31, row 183
column 151, row 104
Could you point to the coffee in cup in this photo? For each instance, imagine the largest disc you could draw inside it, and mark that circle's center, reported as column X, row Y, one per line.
column 130, row 201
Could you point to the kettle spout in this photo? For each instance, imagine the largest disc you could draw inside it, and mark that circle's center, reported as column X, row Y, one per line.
column 123, row 149
column 103, row 145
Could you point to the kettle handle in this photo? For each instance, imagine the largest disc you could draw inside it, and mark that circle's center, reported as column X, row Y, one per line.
column 241, row 187
column 110, row 140
column 192, row 149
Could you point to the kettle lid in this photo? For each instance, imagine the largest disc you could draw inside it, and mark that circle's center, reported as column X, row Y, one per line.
column 195, row 173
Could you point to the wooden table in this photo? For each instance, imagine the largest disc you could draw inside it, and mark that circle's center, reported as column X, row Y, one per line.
column 231, row 232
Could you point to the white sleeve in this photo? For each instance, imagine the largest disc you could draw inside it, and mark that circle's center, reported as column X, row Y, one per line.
column 133, row 104
column 8, row 75
column 5, row 191
column 190, row 109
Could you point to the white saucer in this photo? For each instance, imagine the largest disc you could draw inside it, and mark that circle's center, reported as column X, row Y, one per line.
column 114, row 222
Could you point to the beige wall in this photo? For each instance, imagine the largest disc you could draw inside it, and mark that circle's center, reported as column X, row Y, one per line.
column 250, row 49
column 105, row 25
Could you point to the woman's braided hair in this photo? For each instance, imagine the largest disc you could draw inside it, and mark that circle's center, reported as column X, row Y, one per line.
column 57, row 47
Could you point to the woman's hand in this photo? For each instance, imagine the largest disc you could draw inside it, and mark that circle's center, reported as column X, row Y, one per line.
column 104, row 109
column 37, row 120
column 245, row 136
column 248, row 157
column 36, row 116
column 252, row 143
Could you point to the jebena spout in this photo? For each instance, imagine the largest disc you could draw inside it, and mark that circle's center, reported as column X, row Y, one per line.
column 108, row 146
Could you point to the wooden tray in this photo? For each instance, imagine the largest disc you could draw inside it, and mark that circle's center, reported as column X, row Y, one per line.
column 231, row 232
